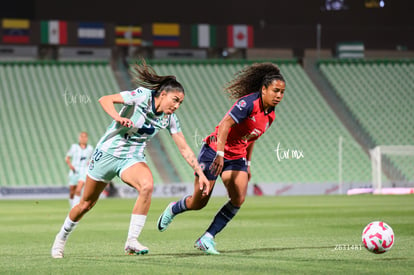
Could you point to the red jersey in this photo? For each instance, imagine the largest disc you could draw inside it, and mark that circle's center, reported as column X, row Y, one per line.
column 251, row 122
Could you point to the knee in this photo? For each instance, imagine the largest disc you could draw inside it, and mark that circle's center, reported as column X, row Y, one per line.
column 237, row 202
column 146, row 188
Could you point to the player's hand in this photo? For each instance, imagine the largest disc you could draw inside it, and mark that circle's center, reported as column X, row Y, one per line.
column 217, row 165
column 126, row 122
column 205, row 185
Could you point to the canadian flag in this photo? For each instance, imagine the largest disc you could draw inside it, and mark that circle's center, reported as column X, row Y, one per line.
column 240, row 36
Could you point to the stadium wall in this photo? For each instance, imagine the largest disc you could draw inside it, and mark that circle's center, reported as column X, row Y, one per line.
column 279, row 24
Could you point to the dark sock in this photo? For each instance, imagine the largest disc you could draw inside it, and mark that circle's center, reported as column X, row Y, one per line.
column 180, row 206
column 223, row 216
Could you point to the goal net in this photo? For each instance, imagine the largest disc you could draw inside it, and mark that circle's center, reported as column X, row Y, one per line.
column 392, row 167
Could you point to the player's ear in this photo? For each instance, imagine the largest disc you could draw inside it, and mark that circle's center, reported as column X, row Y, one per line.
column 163, row 93
column 264, row 89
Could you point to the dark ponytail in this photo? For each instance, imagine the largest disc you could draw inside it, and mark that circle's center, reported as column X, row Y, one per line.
column 145, row 76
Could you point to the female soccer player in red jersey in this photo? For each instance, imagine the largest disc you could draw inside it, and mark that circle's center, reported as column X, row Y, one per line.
column 227, row 151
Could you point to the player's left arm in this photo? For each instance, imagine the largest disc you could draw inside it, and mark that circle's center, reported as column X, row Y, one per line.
column 191, row 159
column 249, row 157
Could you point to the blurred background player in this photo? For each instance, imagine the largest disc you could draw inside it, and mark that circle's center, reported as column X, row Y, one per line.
column 120, row 151
column 228, row 150
column 77, row 159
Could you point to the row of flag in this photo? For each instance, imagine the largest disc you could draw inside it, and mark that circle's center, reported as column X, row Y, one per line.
column 55, row 32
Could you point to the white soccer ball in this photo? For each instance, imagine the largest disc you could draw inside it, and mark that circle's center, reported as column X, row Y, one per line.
column 378, row 237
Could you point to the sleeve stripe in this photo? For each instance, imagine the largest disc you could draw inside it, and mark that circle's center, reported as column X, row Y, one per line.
column 233, row 117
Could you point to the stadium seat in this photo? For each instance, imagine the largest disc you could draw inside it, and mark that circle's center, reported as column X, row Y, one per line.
column 380, row 97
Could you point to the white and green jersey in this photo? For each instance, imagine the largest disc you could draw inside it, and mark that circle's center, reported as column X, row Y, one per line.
column 124, row 142
column 79, row 156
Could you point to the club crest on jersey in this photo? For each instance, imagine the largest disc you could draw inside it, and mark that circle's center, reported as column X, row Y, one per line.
column 165, row 121
column 241, row 104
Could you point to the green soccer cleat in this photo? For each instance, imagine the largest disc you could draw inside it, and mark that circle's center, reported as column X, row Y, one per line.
column 166, row 218
column 207, row 245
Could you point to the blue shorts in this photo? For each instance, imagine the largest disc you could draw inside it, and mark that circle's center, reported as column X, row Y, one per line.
column 206, row 158
column 104, row 167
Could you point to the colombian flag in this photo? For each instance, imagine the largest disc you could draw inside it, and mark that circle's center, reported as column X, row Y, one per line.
column 166, row 34
column 16, row 31
column 128, row 35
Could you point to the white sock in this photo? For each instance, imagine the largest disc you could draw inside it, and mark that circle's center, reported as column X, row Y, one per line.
column 71, row 203
column 208, row 235
column 76, row 200
column 66, row 229
column 135, row 226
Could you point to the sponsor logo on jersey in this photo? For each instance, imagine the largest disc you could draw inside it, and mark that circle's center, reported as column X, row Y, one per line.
column 253, row 134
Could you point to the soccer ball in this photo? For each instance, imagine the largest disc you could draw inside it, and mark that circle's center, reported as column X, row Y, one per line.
column 378, row 237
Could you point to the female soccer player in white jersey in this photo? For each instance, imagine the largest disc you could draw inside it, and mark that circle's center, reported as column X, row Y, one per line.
column 227, row 151
column 120, row 152
column 77, row 159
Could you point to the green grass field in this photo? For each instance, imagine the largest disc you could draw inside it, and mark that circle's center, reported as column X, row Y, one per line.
column 270, row 235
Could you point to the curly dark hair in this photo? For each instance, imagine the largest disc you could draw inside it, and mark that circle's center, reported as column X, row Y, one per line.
column 145, row 76
column 252, row 78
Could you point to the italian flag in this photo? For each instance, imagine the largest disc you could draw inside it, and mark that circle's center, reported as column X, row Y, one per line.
column 54, row 32
column 203, row 36
column 239, row 36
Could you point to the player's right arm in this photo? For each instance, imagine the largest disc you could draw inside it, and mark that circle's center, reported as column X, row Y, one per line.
column 107, row 102
column 222, row 134
column 240, row 111
column 68, row 158
column 69, row 163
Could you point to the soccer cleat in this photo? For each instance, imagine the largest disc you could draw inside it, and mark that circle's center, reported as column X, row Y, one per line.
column 133, row 247
column 207, row 245
column 166, row 218
column 58, row 248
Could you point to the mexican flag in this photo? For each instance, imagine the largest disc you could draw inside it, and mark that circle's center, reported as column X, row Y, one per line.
column 239, row 36
column 54, row 32
column 203, row 36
